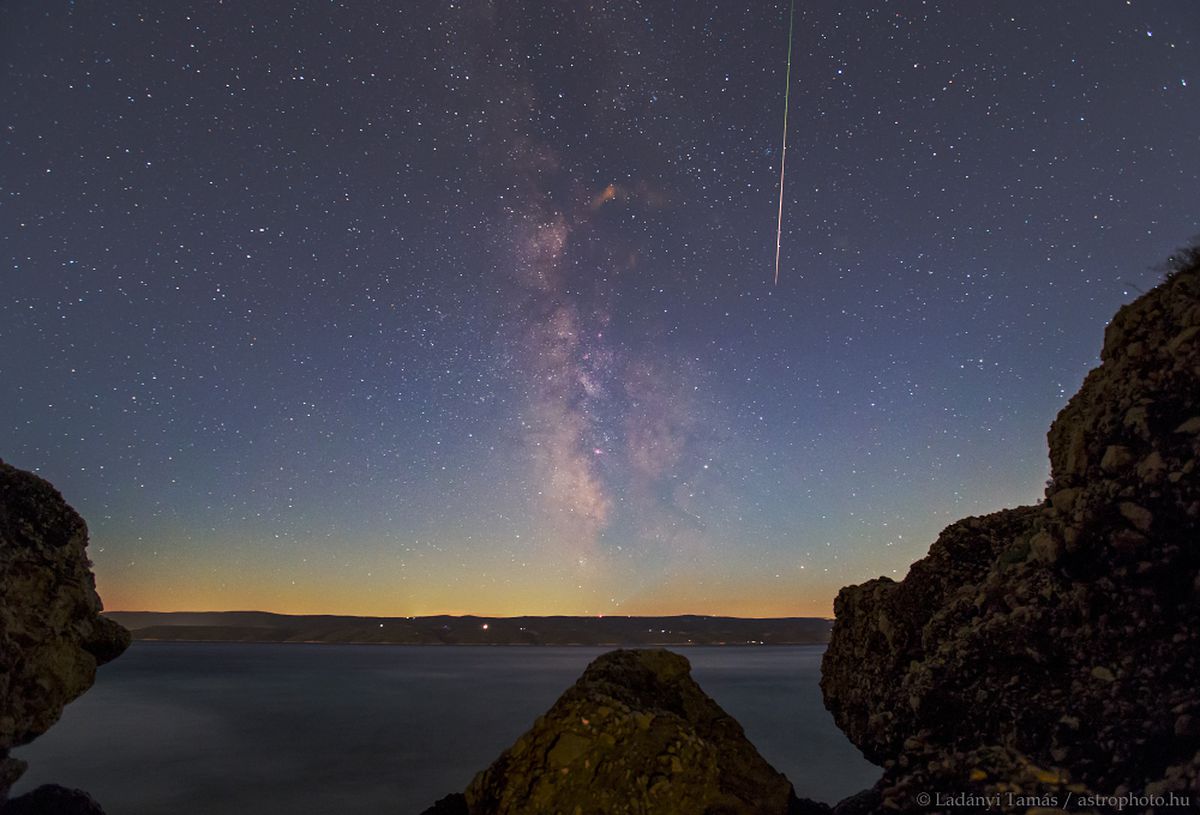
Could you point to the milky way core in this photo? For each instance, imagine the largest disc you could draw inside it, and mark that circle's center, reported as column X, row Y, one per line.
column 409, row 308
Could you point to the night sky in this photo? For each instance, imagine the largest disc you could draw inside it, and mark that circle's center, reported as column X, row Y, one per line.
column 408, row 308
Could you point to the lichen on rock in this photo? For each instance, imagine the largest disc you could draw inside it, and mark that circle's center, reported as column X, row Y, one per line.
column 1063, row 636
column 635, row 734
column 52, row 635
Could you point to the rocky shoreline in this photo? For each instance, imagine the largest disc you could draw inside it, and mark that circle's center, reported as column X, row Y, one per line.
column 1038, row 658
column 1042, row 657
column 1053, row 650
column 52, row 635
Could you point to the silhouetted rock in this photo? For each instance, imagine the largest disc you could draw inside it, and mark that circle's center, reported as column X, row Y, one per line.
column 52, row 636
column 635, row 734
column 51, row 799
column 453, row 804
column 1054, row 648
column 863, row 803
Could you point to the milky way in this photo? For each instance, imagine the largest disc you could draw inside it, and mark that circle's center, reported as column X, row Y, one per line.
column 468, row 307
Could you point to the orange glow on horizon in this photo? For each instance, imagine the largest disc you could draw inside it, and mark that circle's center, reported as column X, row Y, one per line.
column 743, row 603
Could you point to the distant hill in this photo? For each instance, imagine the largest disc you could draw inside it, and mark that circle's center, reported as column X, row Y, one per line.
column 261, row 626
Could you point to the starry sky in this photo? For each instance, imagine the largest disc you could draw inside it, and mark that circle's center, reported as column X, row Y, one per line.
column 467, row 307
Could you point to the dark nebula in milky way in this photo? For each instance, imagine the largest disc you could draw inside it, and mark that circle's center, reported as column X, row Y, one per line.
column 469, row 307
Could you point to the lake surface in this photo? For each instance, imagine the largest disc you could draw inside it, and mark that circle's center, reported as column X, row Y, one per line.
column 313, row 729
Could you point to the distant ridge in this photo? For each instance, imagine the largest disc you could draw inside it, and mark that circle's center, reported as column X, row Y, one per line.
column 263, row 626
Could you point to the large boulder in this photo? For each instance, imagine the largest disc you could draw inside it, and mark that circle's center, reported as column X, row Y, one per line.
column 1064, row 638
column 52, row 636
column 635, row 734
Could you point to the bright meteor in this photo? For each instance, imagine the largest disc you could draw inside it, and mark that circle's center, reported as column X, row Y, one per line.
column 783, row 156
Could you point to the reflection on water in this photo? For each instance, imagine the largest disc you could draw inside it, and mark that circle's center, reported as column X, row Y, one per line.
column 313, row 729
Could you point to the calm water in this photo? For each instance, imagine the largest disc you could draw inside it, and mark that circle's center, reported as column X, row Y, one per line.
column 314, row 729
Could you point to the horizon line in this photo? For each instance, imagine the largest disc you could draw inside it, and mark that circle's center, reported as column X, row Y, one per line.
column 462, row 615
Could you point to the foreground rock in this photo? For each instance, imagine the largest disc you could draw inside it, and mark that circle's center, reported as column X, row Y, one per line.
column 1053, row 649
column 51, row 799
column 635, row 734
column 52, row 636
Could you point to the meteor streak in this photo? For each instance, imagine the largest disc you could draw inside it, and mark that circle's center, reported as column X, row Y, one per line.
column 783, row 156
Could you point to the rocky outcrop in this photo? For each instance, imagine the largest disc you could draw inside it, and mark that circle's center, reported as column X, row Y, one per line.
column 1039, row 658
column 635, row 734
column 1054, row 648
column 52, row 636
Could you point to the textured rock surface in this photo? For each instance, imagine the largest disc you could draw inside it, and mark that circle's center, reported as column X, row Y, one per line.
column 1065, row 635
column 52, row 636
column 635, row 734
